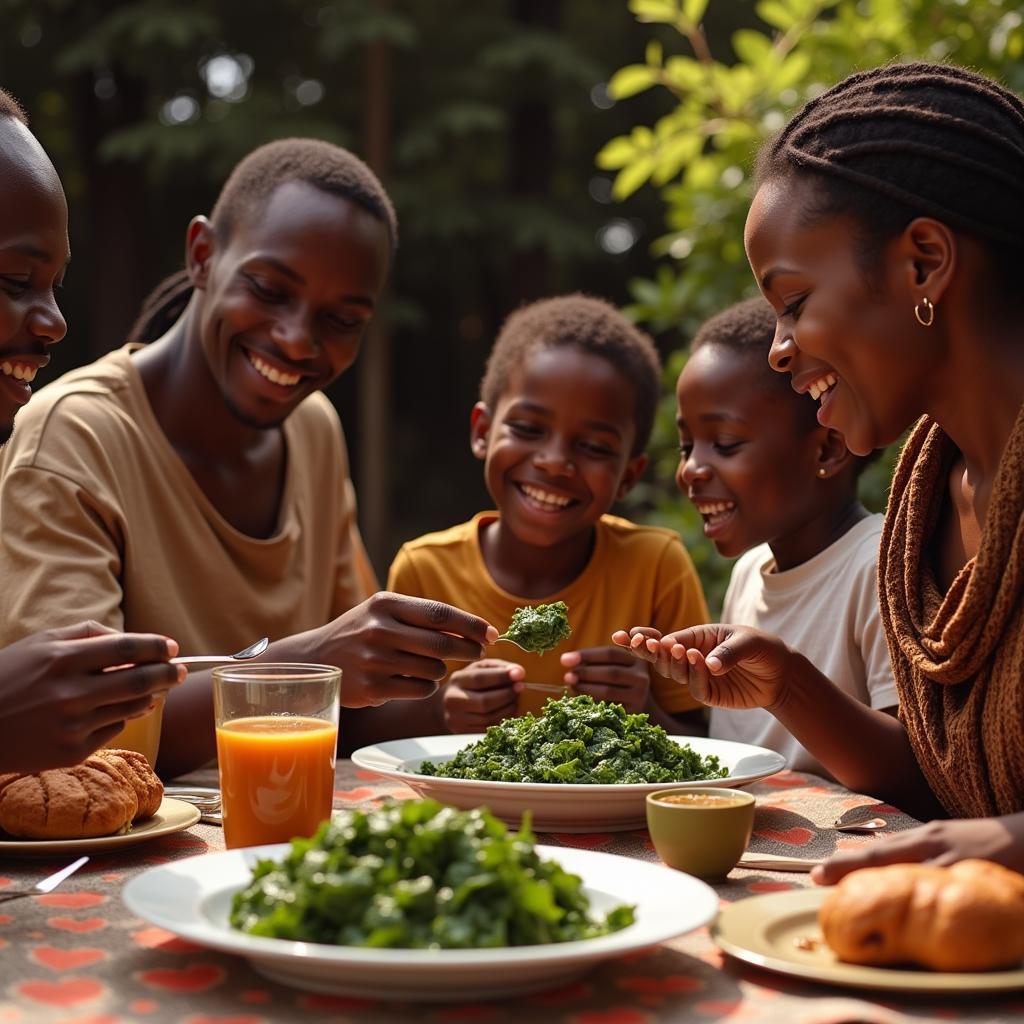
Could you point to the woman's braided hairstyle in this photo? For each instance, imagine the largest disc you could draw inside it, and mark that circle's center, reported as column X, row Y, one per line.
column 908, row 140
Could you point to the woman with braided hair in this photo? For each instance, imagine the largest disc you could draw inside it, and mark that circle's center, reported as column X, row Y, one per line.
column 887, row 231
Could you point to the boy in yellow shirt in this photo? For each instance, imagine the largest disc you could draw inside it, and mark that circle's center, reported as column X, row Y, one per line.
column 566, row 408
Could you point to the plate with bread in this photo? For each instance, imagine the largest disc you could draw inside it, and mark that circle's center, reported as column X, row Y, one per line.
column 113, row 798
column 902, row 927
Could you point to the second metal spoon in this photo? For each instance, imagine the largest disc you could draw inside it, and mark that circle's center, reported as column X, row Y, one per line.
column 252, row 651
column 864, row 825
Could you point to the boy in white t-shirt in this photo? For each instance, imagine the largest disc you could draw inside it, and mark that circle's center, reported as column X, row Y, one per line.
column 779, row 489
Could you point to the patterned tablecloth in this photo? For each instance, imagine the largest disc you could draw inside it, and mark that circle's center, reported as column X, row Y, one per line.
column 77, row 956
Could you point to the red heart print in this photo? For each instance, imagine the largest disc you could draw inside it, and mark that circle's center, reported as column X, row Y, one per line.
column 194, row 978
column 71, row 900
column 66, row 959
column 77, row 924
column 165, row 941
column 69, row 992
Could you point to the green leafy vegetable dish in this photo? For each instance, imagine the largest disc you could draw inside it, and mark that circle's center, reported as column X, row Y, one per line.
column 540, row 628
column 578, row 740
column 418, row 875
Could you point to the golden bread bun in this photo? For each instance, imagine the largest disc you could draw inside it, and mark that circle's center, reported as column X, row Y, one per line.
column 968, row 917
column 135, row 767
column 86, row 800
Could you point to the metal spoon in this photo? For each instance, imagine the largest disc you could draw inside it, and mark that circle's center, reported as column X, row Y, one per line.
column 509, row 640
column 243, row 655
column 864, row 825
column 560, row 691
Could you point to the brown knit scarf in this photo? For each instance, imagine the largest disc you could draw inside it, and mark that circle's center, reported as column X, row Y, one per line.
column 958, row 658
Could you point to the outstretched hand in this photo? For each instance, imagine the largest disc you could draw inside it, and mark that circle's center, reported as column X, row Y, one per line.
column 939, row 842
column 66, row 692
column 723, row 666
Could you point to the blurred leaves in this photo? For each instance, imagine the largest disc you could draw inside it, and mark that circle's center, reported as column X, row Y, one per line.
column 701, row 155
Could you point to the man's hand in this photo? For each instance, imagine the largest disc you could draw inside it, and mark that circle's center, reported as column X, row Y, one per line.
column 393, row 647
column 66, row 692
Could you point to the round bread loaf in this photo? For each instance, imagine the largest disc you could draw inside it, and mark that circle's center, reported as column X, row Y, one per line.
column 86, row 800
column 135, row 768
column 968, row 917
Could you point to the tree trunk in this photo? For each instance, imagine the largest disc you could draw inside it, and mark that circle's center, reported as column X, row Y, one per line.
column 374, row 397
column 114, row 212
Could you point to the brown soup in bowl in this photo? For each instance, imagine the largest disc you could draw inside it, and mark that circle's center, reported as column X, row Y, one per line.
column 701, row 800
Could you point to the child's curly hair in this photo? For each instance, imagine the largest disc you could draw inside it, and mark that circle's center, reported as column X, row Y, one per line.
column 748, row 329
column 591, row 325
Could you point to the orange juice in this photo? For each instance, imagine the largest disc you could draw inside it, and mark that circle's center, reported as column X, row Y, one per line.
column 276, row 777
column 142, row 734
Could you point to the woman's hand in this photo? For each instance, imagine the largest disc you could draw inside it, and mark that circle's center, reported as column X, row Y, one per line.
column 394, row 647
column 609, row 673
column 939, row 842
column 481, row 694
column 66, row 692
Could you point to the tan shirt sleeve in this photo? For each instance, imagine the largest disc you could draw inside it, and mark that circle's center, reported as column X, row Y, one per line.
column 60, row 554
column 355, row 579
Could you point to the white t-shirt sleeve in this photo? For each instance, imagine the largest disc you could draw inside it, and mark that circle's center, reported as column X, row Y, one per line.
column 869, row 634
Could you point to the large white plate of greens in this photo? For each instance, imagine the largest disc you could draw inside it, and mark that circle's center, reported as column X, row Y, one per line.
column 599, row 749
column 462, row 881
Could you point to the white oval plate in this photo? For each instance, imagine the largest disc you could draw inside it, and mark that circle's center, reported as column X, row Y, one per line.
column 569, row 807
column 192, row 898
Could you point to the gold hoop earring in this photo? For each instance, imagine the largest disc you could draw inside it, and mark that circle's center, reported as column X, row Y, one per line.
column 822, row 471
column 927, row 318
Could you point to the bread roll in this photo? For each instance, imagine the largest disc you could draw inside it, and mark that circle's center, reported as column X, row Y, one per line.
column 135, row 767
column 968, row 917
column 99, row 797
column 81, row 802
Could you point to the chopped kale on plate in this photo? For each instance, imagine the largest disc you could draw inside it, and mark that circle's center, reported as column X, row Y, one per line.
column 578, row 740
column 539, row 628
column 419, row 875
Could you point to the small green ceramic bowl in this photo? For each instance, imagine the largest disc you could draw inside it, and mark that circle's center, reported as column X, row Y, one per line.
column 700, row 831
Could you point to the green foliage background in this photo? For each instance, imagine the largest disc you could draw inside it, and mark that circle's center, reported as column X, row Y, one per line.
column 700, row 156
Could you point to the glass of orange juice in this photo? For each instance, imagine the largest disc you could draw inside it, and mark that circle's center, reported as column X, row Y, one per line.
column 277, row 737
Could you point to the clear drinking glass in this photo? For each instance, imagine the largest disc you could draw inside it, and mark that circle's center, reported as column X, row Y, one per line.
column 277, row 737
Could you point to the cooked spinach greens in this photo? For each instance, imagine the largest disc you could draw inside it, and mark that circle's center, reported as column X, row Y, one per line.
column 577, row 739
column 418, row 875
column 539, row 628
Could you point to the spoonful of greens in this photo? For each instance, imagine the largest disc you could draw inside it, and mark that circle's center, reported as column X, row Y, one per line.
column 539, row 628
